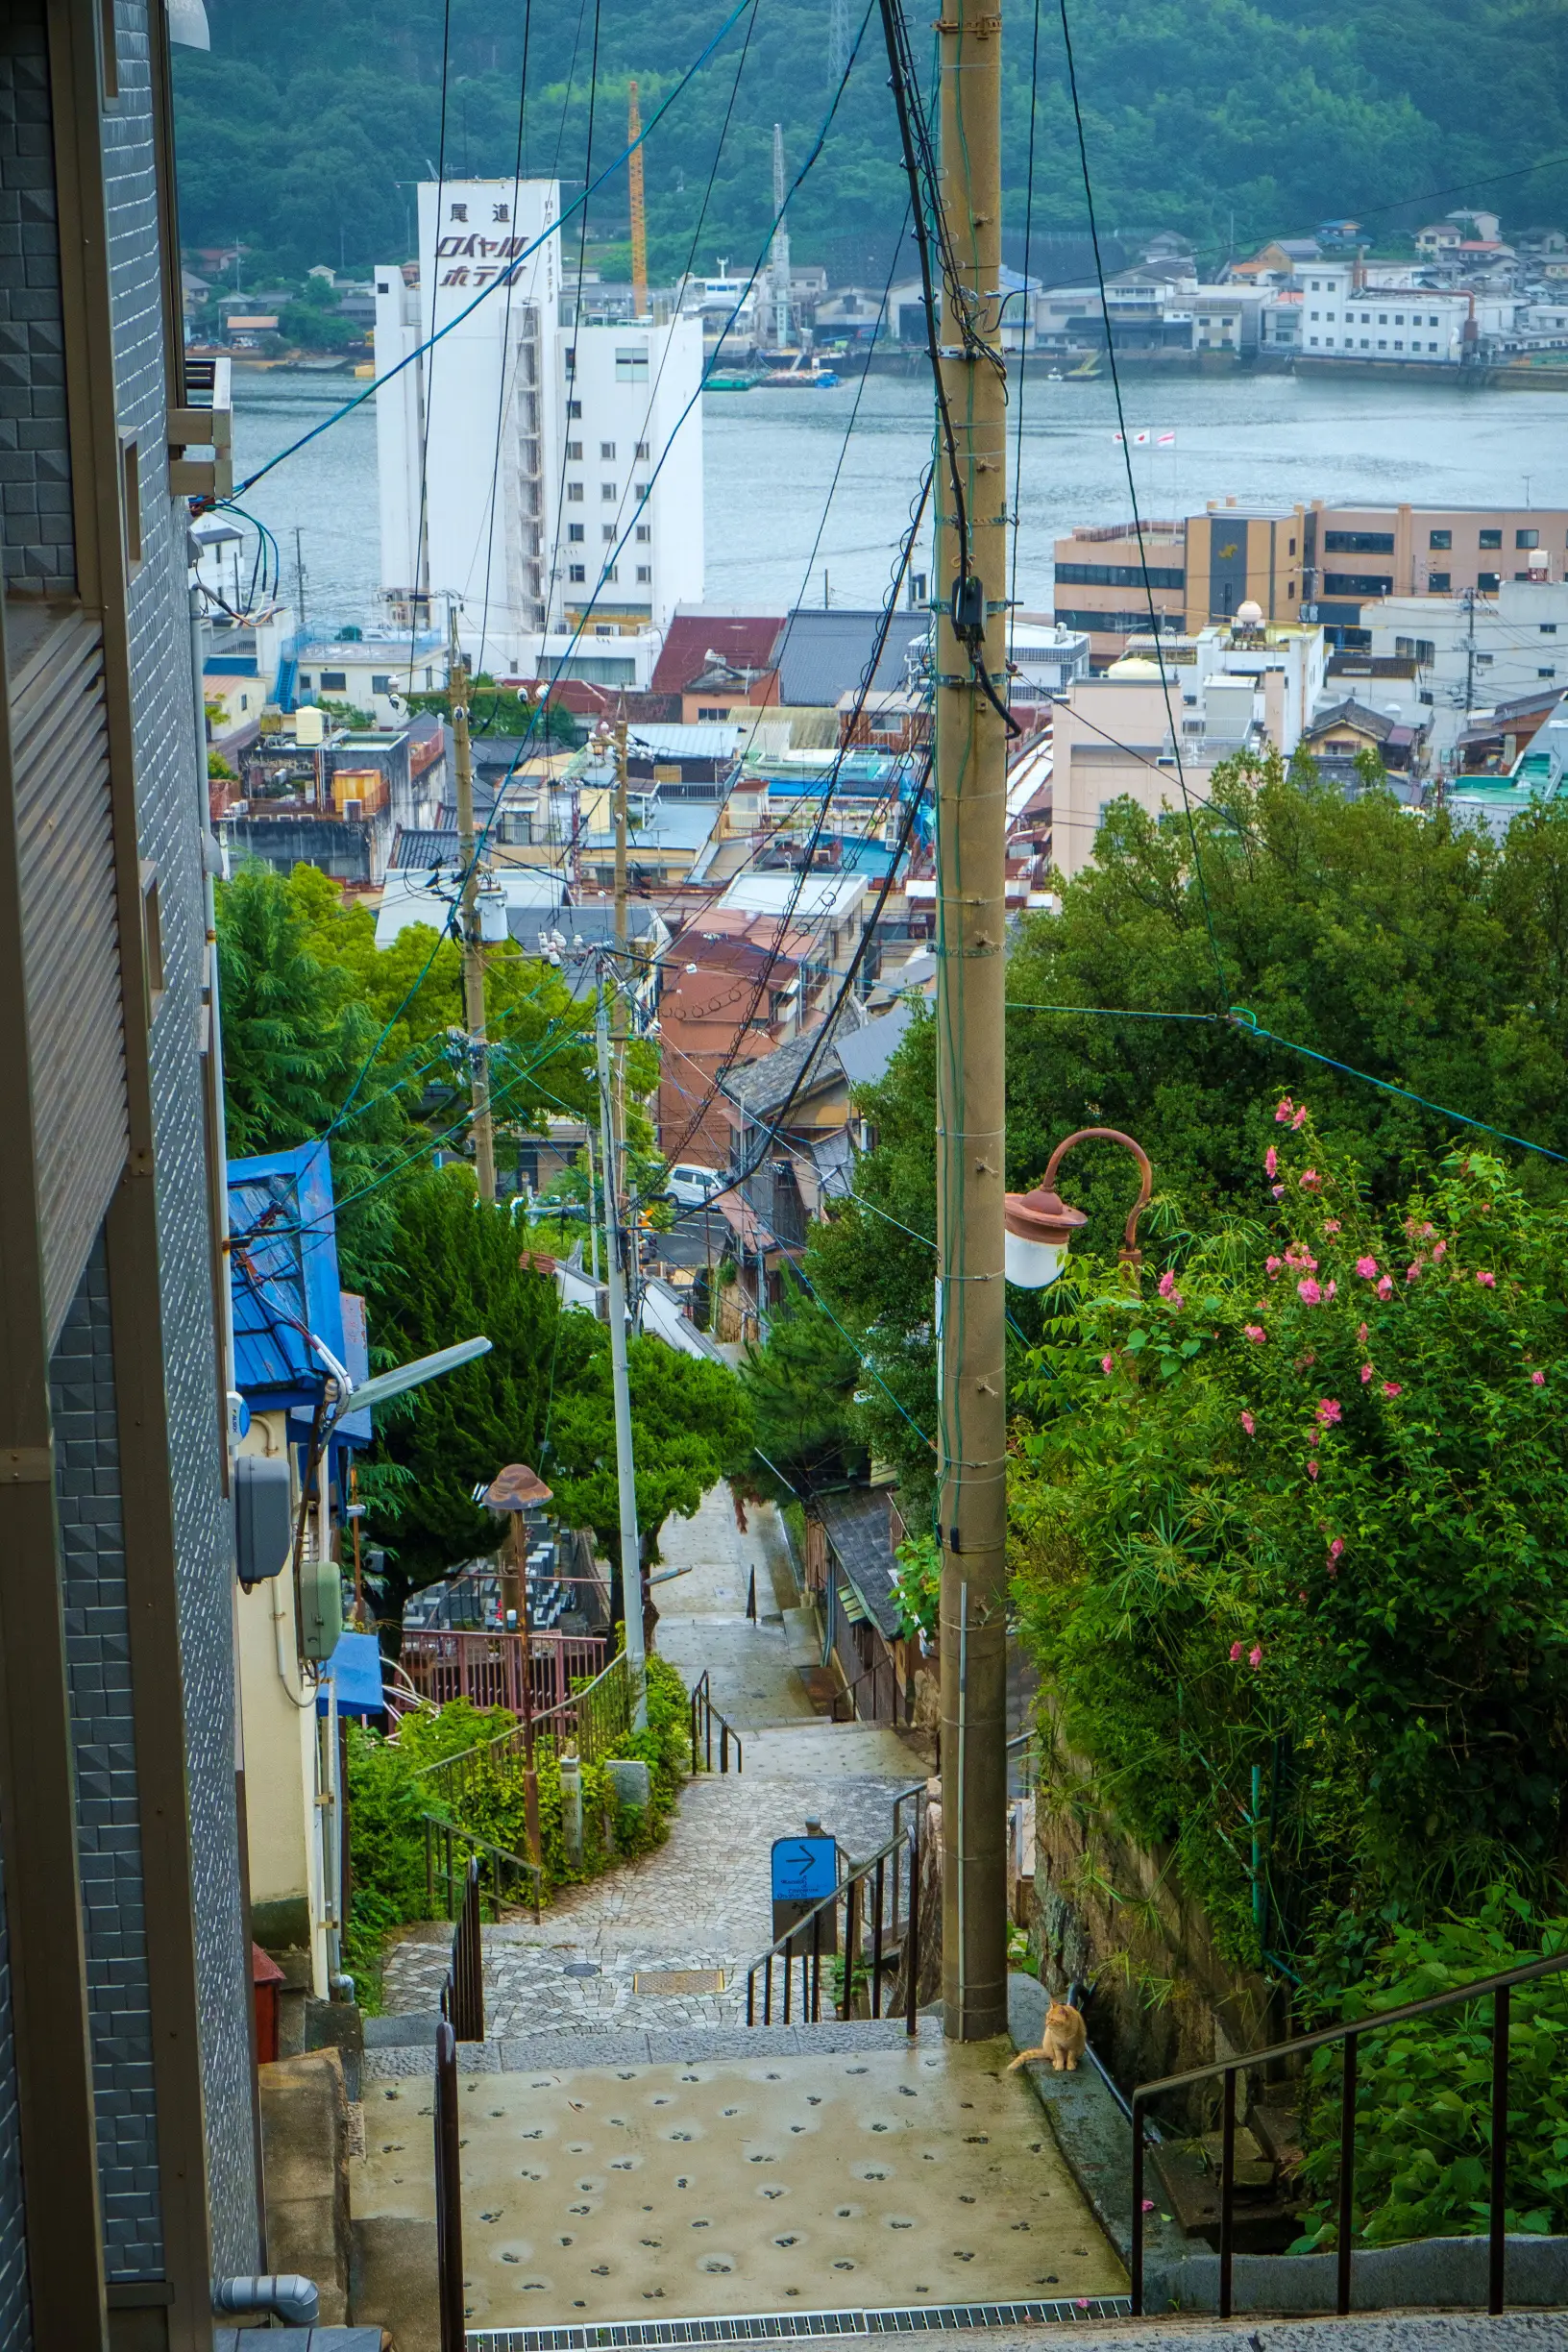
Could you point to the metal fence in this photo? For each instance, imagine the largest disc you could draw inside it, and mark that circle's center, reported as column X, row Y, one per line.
column 488, row 1668
column 880, row 1938
column 448, row 1853
column 448, row 2193
column 1497, row 1987
column 462, row 1995
column 595, row 1717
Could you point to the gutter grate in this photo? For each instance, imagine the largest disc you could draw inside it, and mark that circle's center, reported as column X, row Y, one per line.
column 793, row 2327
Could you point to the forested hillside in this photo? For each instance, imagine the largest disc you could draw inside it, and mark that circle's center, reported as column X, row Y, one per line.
column 302, row 132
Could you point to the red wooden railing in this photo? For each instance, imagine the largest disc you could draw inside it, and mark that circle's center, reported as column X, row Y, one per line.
column 487, row 1667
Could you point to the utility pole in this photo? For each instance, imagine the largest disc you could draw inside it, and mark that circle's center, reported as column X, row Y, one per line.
column 479, row 1049
column 631, row 1542
column 639, row 209
column 971, row 801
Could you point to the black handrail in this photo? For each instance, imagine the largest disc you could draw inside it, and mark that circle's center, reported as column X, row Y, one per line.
column 442, row 1837
column 1499, row 1987
column 462, row 1995
column 448, row 2193
column 791, row 1946
column 702, row 1707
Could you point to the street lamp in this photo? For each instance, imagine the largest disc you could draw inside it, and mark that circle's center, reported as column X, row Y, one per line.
column 1040, row 1225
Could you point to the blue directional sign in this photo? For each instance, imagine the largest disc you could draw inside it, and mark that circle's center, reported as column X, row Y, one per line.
column 805, row 1869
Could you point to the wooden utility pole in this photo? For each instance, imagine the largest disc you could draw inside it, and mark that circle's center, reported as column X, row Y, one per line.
column 971, row 826
column 479, row 1046
column 639, row 214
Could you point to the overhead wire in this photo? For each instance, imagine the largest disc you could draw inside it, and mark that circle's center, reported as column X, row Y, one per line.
column 421, row 550
column 502, row 389
column 1132, row 490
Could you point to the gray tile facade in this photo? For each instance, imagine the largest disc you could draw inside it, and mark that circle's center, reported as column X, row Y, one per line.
column 15, row 2313
column 172, row 818
column 107, row 1799
column 35, row 462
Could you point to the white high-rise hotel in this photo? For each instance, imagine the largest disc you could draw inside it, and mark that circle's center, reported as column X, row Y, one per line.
column 534, row 465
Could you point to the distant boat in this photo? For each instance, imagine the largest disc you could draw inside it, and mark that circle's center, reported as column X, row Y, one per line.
column 738, row 380
column 793, row 379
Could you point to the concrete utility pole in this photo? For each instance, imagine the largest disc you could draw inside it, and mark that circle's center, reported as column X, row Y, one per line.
column 780, row 269
column 631, row 1542
column 623, row 975
column 478, row 1048
column 971, row 823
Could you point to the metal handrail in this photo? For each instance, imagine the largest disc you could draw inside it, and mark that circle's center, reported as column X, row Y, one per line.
column 867, row 1674
column 1376, row 2021
column 507, row 1740
column 462, row 1995
column 702, row 1705
column 787, row 1948
column 439, row 1832
column 448, row 2193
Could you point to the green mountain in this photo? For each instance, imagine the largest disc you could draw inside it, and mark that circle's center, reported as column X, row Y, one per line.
column 303, row 132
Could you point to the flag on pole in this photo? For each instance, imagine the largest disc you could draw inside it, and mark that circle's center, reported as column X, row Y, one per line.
column 1166, row 440
column 1138, row 438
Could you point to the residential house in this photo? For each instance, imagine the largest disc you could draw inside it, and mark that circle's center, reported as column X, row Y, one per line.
column 1476, row 651
column 825, row 651
column 715, row 661
column 1275, row 263
column 371, row 669
column 1348, row 730
column 730, row 989
column 852, row 1571
column 294, row 1328
column 1490, row 743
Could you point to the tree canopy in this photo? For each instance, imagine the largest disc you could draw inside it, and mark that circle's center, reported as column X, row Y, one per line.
column 301, row 129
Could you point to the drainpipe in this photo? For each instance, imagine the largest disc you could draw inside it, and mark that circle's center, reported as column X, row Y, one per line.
column 279, row 2295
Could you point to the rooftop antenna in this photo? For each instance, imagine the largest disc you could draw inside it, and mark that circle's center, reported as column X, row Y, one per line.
column 638, row 215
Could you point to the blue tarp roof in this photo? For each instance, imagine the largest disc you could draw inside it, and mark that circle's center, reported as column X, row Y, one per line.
column 283, row 1274
column 356, row 1667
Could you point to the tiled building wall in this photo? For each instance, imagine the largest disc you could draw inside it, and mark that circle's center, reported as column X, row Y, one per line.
column 107, row 1799
column 16, row 2315
column 172, row 818
column 35, row 462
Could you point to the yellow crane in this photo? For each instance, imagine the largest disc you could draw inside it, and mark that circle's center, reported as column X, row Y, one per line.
column 638, row 215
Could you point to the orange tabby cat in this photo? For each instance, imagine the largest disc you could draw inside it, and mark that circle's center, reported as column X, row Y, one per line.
column 1066, row 2038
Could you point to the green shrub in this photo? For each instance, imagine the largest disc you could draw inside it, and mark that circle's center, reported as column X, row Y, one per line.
column 1423, row 2090
column 389, row 1799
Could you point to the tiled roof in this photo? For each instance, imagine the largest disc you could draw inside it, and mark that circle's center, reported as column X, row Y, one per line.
column 747, row 640
column 823, row 654
column 855, row 1520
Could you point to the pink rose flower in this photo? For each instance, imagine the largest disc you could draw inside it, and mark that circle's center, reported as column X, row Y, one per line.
column 1284, row 1111
column 1278, row 1191
column 1272, row 1265
column 1311, row 1181
column 1313, row 1436
column 1367, row 1268
column 1255, row 1332
column 1386, row 1287
column 1271, row 1162
column 1366, row 1374
column 1309, row 1292
column 1300, row 1120
column 1331, row 1288
column 1361, row 1334
column 1329, row 1412
column 1235, row 1654
column 1337, row 1548
column 1538, row 1380
column 1439, row 1251
column 1392, row 1387
column 1249, row 1424
column 1331, row 1225
column 1311, row 1469
column 1107, row 1362
column 1254, row 1655
column 1168, row 1289
column 1487, row 1282
column 1413, row 1273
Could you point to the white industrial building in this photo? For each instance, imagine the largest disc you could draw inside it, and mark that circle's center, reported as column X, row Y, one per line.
column 535, row 464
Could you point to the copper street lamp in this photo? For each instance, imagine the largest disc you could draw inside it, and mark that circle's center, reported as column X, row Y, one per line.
column 1040, row 1225
column 517, row 1490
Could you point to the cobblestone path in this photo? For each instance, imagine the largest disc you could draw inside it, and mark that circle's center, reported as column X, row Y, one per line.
column 701, row 1900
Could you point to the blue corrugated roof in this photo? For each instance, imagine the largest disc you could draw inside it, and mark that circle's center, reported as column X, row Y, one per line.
column 283, row 1274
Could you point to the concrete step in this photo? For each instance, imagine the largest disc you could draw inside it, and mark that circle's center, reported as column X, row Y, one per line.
column 1005, row 2328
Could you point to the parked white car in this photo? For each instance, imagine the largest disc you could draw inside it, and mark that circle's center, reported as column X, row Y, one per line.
column 692, row 1188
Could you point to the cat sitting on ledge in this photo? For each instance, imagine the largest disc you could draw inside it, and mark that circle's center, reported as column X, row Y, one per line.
column 1066, row 2038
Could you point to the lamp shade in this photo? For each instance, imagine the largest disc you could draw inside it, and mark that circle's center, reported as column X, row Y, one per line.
column 515, row 1488
column 1040, row 1227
